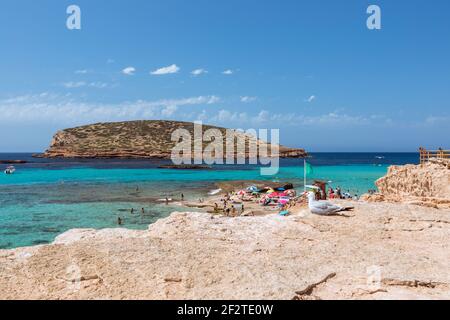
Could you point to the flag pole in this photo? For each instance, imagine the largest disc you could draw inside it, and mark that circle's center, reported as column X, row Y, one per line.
column 304, row 173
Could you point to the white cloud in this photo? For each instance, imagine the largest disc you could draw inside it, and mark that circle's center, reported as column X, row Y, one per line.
column 129, row 71
column 213, row 99
column 228, row 72
column 311, row 99
column 189, row 101
column 72, row 84
column 65, row 111
column 81, row 71
column 434, row 120
column 332, row 118
column 98, row 85
column 171, row 103
column 264, row 118
column 247, row 99
column 80, row 84
column 169, row 110
column 225, row 117
column 166, row 70
column 198, row 72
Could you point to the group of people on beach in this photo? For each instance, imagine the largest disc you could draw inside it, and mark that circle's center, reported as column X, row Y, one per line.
column 338, row 194
column 229, row 207
column 232, row 203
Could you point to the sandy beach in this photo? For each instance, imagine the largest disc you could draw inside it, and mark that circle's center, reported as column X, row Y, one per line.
column 381, row 250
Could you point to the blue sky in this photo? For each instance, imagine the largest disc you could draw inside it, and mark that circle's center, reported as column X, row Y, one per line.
column 310, row 68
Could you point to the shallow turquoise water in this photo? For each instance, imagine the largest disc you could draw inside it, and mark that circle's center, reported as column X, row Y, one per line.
column 355, row 176
column 37, row 204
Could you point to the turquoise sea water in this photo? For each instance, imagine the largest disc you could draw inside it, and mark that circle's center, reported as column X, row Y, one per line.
column 44, row 199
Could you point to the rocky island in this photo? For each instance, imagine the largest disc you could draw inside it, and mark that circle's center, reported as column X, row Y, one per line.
column 133, row 139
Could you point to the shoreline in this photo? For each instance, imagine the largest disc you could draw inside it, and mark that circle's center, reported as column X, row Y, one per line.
column 115, row 199
column 107, row 196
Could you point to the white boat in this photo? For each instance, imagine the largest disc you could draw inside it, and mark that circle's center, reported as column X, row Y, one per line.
column 10, row 170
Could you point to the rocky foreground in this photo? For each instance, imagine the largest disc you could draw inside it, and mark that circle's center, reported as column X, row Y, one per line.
column 387, row 248
column 381, row 251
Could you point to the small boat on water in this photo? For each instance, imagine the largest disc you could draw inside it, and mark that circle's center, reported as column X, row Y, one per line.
column 10, row 170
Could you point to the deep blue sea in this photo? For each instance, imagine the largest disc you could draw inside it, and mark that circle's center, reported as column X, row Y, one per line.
column 46, row 197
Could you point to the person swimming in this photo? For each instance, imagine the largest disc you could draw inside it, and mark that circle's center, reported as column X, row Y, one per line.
column 119, row 221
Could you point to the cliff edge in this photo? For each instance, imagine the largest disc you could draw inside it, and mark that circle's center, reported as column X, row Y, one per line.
column 426, row 184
